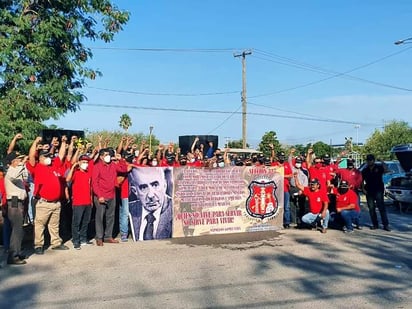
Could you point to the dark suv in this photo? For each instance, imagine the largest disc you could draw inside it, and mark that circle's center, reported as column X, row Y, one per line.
column 400, row 188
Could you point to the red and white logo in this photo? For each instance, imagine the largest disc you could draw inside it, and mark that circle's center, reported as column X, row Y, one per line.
column 262, row 201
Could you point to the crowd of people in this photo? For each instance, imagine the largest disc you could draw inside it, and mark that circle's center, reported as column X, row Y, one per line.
column 94, row 179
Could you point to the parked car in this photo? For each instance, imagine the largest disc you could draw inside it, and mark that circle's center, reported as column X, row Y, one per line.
column 400, row 188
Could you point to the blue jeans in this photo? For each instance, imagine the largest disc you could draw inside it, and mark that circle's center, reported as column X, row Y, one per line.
column 286, row 208
column 124, row 217
column 350, row 216
column 309, row 218
column 6, row 233
column 375, row 199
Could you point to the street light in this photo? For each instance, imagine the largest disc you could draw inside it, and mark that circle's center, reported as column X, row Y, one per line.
column 404, row 41
column 150, row 139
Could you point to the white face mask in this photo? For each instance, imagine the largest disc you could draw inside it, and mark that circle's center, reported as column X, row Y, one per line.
column 221, row 164
column 298, row 165
column 47, row 161
column 84, row 166
column 215, row 164
column 192, row 160
column 154, row 163
column 136, row 153
column 107, row 159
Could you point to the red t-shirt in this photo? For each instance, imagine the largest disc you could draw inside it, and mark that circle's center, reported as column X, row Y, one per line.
column 47, row 179
column 330, row 171
column 81, row 188
column 316, row 199
column 124, row 188
column 3, row 192
column 343, row 200
column 287, row 171
column 352, row 176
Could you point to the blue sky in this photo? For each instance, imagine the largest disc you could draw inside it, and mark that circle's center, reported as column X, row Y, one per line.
column 293, row 43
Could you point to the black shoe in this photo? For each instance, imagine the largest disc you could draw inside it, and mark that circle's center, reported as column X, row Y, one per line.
column 386, row 228
column 61, row 247
column 86, row 243
column 374, row 227
column 286, row 226
column 76, row 246
column 16, row 261
column 39, row 250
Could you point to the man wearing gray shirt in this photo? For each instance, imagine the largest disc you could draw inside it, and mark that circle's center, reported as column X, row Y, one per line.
column 297, row 199
column 15, row 185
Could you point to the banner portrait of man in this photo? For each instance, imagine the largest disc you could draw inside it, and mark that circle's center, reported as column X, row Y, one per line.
column 150, row 202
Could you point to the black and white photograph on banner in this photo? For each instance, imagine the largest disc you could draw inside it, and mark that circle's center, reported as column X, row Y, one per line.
column 150, row 202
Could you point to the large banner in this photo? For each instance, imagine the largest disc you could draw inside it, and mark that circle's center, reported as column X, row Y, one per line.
column 227, row 200
column 191, row 201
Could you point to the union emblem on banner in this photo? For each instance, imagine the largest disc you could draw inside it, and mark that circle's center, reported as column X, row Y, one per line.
column 262, row 201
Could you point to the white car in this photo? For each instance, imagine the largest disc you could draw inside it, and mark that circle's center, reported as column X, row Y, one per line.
column 400, row 188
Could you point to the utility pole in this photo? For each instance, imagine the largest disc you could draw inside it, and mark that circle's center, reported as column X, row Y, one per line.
column 244, row 103
column 357, row 134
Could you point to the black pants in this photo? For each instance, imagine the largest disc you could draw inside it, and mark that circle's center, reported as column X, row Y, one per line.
column 80, row 223
column 104, row 211
column 16, row 217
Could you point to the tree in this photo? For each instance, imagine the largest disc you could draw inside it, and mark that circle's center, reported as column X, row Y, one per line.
column 125, row 122
column 267, row 139
column 320, row 149
column 236, row 144
column 43, row 57
column 114, row 137
column 381, row 142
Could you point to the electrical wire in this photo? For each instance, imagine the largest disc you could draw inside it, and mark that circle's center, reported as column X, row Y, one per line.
column 335, row 74
column 174, row 50
column 224, row 121
column 164, row 93
column 224, row 112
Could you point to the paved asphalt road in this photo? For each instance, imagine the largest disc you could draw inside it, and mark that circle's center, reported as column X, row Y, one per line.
column 290, row 269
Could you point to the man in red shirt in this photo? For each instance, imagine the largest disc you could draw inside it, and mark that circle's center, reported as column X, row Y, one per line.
column 352, row 176
column 317, row 170
column 104, row 181
column 347, row 206
column 80, row 176
column 318, row 203
column 287, row 174
column 47, row 187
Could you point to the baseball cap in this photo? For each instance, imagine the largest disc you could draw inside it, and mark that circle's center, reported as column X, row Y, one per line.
column 344, row 184
column 314, row 181
column 298, row 160
column 84, row 157
column 45, row 153
column 12, row 156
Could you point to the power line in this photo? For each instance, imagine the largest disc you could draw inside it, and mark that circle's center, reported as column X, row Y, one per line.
column 224, row 112
column 164, row 93
column 174, row 50
column 335, row 74
column 224, row 121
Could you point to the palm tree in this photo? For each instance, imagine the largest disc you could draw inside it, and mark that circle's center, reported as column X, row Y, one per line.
column 125, row 122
